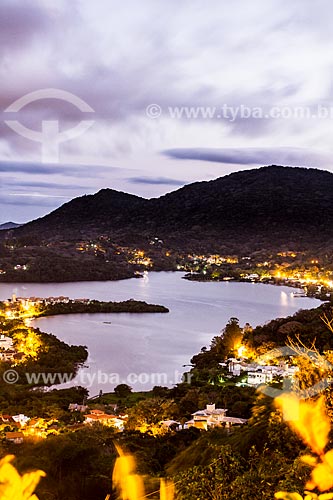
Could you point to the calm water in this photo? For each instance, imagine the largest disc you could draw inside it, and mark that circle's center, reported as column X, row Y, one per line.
column 145, row 345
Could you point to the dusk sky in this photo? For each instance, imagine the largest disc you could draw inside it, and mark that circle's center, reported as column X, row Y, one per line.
column 256, row 66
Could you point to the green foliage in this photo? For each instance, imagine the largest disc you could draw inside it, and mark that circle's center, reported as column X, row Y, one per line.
column 147, row 414
column 122, row 390
column 221, row 346
column 153, row 453
column 212, row 481
column 201, row 452
column 96, row 306
column 230, row 339
column 39, row 403
column 306, row 324
column 78, row 464
column 54, row 357
column 230, row 476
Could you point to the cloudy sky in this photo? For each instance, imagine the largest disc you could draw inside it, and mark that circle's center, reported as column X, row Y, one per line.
column 174, row 91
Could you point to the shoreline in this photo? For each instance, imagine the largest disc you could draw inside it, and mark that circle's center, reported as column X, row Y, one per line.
column 94, row 307
column 271, row 281
column 197, row 277
column 55, row 306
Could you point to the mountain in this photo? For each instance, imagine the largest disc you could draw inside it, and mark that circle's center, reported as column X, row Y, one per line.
column 9, row 225
column 278, row 205
column 260, row 210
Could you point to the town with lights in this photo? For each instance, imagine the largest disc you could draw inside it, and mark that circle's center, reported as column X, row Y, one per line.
column 312, row 275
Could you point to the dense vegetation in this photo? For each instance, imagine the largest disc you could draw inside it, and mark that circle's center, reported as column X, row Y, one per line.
column 305, row 325
column 37, row 352
column 262, row 210
column 47, row 265
column 96, row 306
column 275, row 203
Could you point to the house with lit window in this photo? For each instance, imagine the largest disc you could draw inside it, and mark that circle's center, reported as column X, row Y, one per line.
column 212, row 417
column 15, row 437
column 98, row 416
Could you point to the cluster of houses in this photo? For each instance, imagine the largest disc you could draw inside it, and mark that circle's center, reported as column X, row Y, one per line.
column 205, row 419
column 212, row 259
column 16, row 422
column 22, row 426
column 257, row 374
column 26, row 302
column 16, row 307
column 99, row 416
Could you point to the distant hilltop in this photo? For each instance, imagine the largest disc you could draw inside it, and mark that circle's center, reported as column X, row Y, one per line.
column 9, row 225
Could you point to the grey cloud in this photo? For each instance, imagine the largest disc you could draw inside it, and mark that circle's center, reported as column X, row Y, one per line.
column 89, row 171
column 260, row 53
column 17, row 200
column 43, row 185
column 19, row 22
column 156, row 180
column 119, row 91
column 252, row 156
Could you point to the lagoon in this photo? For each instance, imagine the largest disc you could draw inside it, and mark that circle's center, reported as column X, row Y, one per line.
column 144, row 350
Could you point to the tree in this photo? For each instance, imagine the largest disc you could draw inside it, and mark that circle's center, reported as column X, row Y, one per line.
column 229, row 340
column 160, row 392
column 122, row 390
column 213, row 480
column 147, row 414
column 232, row 335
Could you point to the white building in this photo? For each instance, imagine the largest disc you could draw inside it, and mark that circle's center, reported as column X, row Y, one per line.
column 260, row 374
column 265, row 374
column 212, row 417
column 236, row 366
column 259, row 377
column 21, row 419
column 6, row 343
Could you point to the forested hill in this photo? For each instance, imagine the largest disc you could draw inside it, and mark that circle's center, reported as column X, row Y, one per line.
column 257, row 207
column 9, row 225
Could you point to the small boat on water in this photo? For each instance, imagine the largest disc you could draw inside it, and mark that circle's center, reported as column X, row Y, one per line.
column 107, row 322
